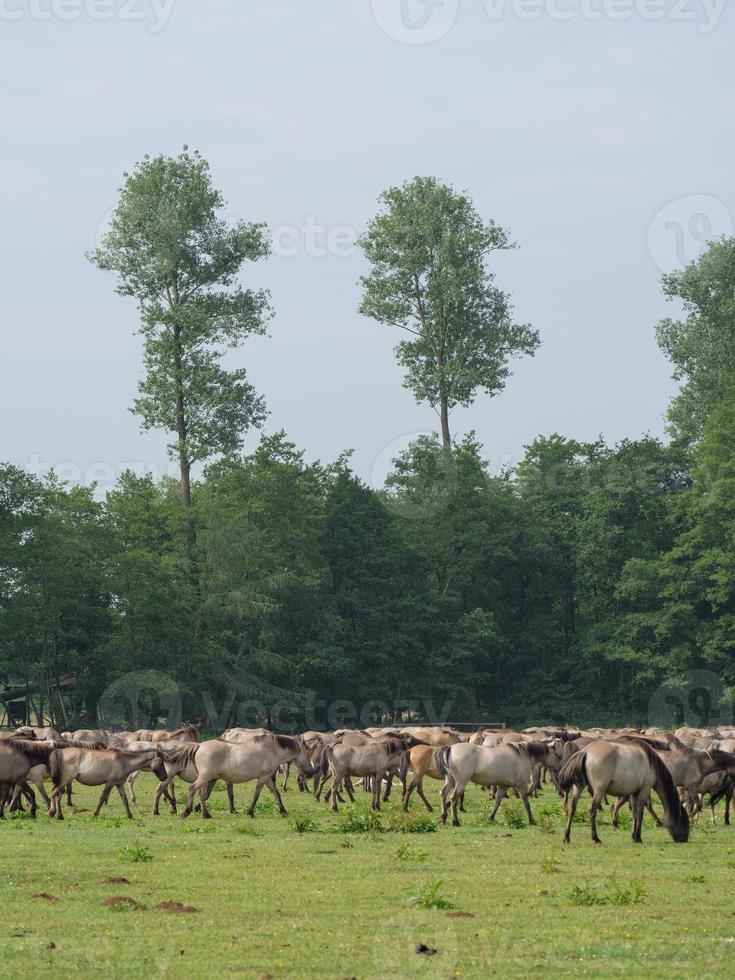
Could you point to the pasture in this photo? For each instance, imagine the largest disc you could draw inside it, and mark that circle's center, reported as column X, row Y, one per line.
column 319, row 895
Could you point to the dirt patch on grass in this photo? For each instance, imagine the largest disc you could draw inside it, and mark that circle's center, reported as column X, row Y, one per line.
column 460, row 915
column 175, row 907
column 119, row 900
column 115, row 881
column 46, row 897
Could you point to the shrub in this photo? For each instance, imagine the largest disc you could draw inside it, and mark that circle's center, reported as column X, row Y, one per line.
column 428, row 897
column 411, row 823
column 632, row 894
column 584, row 894
column 135, row 854
column 512, row 815
column 304, row 825
column 550, row 865
column 357, row 818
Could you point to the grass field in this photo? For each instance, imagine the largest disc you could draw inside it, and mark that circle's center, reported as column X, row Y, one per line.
column 339, row 899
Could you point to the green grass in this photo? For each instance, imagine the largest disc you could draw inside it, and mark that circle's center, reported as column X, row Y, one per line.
column 348, row 897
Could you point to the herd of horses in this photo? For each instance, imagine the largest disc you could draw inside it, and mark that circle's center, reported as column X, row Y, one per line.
column 616, row 766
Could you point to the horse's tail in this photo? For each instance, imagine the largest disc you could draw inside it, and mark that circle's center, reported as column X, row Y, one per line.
column 441, row 760
column 677, row 819
column 54, row 767
column 574, row 772
column 326, row 762
column 724, row 788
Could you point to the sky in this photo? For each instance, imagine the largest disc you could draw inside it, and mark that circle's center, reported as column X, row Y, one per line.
column 598, row 131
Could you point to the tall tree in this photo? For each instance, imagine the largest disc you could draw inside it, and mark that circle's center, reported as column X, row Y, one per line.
column 701, row 346
column 180, row 259
column 427, row 250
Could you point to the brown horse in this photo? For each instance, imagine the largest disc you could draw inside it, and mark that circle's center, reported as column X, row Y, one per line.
column 629, row 768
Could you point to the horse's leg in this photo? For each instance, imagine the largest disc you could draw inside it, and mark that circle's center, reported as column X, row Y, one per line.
column 617, row 807
column 378, row 781
column 68, row 794
column 231, row 797
column 499, row 797
column 203, row 797
column 131, row 783
column 458, row 791
column 594, row 807
column 124, row 798
column 407, row 794
column 104, row 796
column 271, row 784
column 285, row 778
column 572, row 809
column 420, row 791
column 347, row 783
column 388, row 787
column 31, row 797
column 444, row 796
column 636, row 805
column 523, row 793
column 259, row 786
column 649, row 806
column 193, row 790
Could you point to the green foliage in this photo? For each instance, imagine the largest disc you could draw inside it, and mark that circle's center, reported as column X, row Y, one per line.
column 428, row 897
column 412, row 823
column 427, row 251
column 135, row 854
column 613, row 893
column 304, row 824
column 358, row 818
column 512, row 815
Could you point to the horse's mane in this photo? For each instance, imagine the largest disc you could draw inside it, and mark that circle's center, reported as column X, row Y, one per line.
column 535, row 750
column 30, row 749
column 70, row 743
column 666, row 789
column 287, row 741
column 182, row 753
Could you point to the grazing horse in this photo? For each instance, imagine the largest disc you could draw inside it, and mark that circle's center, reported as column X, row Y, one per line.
column 43, row 734
column 186, row 733
column 239, row 762
column 373, row 758
column 17, row 758
column 627, row 768
column 98, row 767
column 505, row 766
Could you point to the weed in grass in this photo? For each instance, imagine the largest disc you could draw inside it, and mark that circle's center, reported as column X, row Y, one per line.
column 405, row 853
column 127, row 906
column 550, row 865
column 696, row 879
column 582, row 813
column 304, row 824
column 428, row 897
column 585, row 894
column 247, row 828
column 412, row 823
column 135, row 854
column 357, row 818
column 614, row 894
column 632, row 894
column 624, row 820
column 546, row 823
column 512, row 815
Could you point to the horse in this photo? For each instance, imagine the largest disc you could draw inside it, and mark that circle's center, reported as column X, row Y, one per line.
column 624, row 767
column 371, row 758
column 505, row 766
column 239, row 762
column 185, row 733
column 17, row 758
column 98, row 767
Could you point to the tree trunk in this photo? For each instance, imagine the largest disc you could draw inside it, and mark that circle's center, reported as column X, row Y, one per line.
column 444, row 418
column 184, row 463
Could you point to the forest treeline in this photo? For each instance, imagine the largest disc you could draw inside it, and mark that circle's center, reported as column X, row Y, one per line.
column 567, row 589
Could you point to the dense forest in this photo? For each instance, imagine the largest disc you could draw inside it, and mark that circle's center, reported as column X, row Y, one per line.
column 265, row 587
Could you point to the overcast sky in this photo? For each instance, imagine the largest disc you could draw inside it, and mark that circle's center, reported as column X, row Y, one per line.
column 604, row 141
